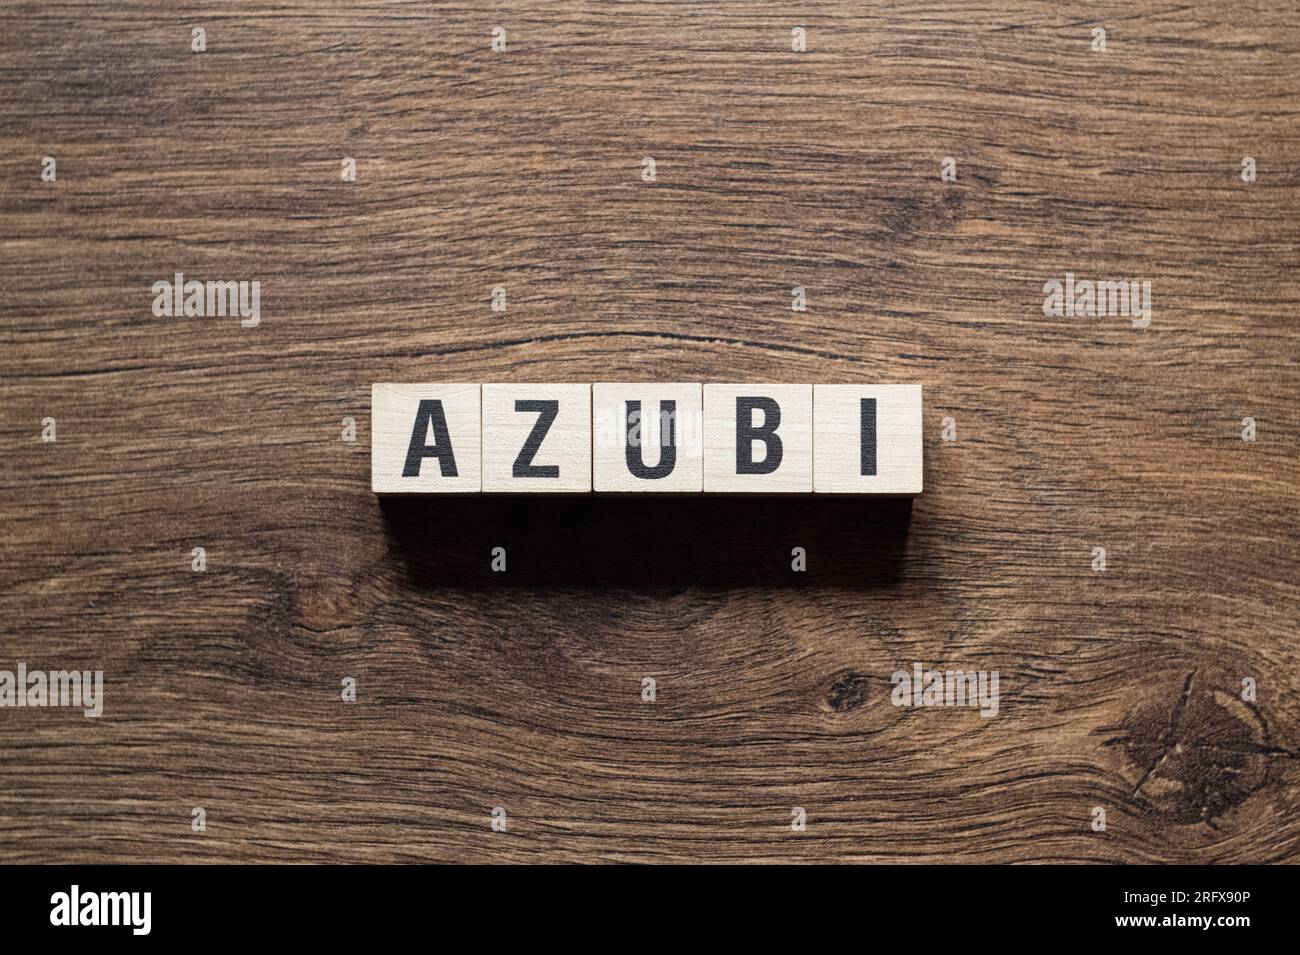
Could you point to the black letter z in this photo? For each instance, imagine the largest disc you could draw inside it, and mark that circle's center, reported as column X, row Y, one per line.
column 524, row 467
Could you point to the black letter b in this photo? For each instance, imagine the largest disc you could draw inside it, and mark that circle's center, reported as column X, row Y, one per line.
column 747, row 434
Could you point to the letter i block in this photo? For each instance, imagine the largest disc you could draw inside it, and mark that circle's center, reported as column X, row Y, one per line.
column 867, row 439
column 648, row 438
column 425, row 439
column 537, row 438
column 758, row 439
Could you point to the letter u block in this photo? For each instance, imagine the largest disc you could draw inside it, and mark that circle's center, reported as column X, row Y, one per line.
column 648, row 438
column 758, row 439
column 425, row 439
column 537, row 438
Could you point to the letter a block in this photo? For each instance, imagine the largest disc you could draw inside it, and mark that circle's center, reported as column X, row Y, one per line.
column 758, row 439
column 867, row 439
column 537, row 438
column 648, row 437
column 424, row 439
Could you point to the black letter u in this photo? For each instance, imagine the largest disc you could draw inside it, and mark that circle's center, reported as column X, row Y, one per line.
column 667, row 445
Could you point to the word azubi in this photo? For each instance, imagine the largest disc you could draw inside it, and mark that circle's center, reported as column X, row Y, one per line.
column 643, row 438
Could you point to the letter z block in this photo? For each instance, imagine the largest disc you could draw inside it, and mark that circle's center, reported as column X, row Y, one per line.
column 537, row 438
column 425, row 439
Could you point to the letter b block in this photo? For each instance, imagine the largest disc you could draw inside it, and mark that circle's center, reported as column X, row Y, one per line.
column 424, row 439
column 758, row 438
column 537, row 438
column 867, row 439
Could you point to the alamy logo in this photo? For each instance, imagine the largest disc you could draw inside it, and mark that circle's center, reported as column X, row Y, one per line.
column 55, row 688
column 677, row 427
column 195, row 299
column 924, row 687
column 103, row 908
column 1106, row 299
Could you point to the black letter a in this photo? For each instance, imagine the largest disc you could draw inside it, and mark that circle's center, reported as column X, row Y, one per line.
column 430, row 414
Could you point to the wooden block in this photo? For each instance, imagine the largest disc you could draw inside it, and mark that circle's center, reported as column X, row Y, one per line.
column 758, row 439
column 425, row 439
column 648, row 438
column 537, row 438
column 867, row 439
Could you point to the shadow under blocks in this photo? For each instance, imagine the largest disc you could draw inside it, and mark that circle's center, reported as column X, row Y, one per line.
column 855, row 542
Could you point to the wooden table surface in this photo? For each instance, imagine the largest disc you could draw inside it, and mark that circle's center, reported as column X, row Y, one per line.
column 1121, row 689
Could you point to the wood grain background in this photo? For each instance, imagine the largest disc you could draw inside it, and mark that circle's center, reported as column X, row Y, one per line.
column 1119, row 689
